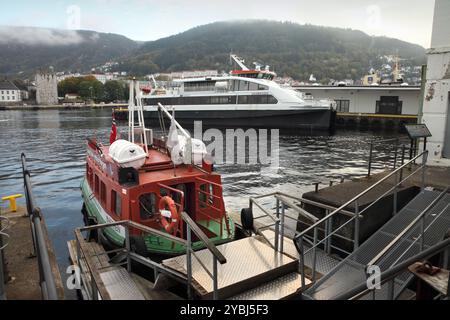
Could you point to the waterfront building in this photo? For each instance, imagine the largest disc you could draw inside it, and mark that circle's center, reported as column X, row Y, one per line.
column 381, row 100
column 46, row 89
column 9, row 93
column 436, row 107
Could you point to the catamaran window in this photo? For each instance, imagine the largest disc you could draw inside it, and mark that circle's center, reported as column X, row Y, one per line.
column 147, row 205
column 193, row 100
column 200, row 86
column 257, row 99
column 116, row 203
column 243, row 85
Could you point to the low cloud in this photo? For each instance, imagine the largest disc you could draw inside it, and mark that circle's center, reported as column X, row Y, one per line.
column 41, row 36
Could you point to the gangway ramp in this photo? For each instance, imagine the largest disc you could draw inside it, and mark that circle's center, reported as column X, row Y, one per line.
column 352, row 270
column 254, row 270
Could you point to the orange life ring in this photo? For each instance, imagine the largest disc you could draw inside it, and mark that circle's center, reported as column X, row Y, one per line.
column 172, row 226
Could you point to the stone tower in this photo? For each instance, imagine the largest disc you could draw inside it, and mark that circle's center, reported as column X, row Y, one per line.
column 436, row 108
column 46, row 89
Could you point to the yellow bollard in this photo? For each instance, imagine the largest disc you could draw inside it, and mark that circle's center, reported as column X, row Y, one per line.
column 12, row 201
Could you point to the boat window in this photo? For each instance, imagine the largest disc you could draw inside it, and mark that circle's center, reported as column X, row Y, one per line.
column 116, row 203
column 243, row 85
column 97, row 185
column 89, row 174
column 257, row 99
column 147, row 206
column 272, row 100
column 103, row 192
column 262, row 87
column 200, row 86
column 243, row 99
column 253, row 86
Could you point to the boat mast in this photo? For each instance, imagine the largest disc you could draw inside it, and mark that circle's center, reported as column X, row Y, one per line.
column 135, row 104
column 240, row 62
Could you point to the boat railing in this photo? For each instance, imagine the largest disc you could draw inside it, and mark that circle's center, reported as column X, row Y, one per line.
column 91, row 279
column 46, row 277
column 212, row 200
column 308, row 241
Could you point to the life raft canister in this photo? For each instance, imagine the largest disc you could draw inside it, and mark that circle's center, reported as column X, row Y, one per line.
column 172, row 226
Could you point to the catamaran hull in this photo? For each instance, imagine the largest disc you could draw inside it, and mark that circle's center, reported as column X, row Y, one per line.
column 318, row 120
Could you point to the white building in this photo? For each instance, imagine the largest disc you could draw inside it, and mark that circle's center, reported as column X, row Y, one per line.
column 386, row 100
column 103, row 78
column 9, row 93
column 436, row 108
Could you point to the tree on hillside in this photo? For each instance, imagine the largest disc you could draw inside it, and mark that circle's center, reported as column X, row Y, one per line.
column 115, row 91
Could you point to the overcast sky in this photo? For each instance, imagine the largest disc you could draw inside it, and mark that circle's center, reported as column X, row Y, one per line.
column 409, row 20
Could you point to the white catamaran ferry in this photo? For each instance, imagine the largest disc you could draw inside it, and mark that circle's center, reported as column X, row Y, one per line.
column 244, row 98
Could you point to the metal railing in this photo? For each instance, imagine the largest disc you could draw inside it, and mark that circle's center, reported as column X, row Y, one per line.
column 405, row 234
column 390, row 274
column 327, row 222
column 46, row 278
column 94, row 283
column 393, row 153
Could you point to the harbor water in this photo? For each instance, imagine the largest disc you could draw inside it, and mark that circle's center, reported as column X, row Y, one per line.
column 55, row 143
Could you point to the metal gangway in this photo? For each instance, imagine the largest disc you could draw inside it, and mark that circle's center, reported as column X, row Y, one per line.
column 247, row 268
column 333, row 270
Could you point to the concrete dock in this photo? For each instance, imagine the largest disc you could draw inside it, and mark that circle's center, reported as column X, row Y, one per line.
column 378, row 214
column 21, row 265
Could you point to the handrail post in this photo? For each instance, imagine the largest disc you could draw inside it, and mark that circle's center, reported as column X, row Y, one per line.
column 356, row 231
column 282, row 229
column 189, row 262
column 128, row 247
column 314, row 254
column 424, row 166
column 277, row 235
column 330, row 231
column 395, row 196
column 277, row 210
column 396, row 153
column 370, row 159
column 302, row 260
column 215, row 280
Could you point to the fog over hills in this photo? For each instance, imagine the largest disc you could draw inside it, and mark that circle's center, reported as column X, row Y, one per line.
column 289, row 48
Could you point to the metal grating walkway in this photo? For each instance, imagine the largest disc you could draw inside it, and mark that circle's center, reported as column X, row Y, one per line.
column 351, row 271
column 250, row 264
column 324, row 262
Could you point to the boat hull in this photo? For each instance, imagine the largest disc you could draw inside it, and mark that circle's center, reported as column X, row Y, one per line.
column 318, row 120
column 114, row 237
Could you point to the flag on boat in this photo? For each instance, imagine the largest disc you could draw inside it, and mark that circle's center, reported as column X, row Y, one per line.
column 113, row 135
column 172, row 139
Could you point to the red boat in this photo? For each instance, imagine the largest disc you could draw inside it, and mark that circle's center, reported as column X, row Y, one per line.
column 151, row 181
